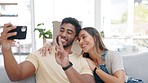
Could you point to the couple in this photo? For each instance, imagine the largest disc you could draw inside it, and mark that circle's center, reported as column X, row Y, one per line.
column 62, row 65
column 107, row 66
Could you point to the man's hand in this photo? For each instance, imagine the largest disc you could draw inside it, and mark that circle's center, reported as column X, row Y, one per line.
column 4, row 35
column 61, row 55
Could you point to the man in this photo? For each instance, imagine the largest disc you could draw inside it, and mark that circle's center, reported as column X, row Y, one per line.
column 60, row 66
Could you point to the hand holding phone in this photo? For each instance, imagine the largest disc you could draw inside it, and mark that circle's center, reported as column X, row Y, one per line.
column 21, row 32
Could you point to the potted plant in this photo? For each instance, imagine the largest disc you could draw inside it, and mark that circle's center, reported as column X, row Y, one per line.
column 45, row 34
column 102, row 34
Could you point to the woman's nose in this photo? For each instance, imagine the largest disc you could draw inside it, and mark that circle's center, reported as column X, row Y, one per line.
column 80, row 41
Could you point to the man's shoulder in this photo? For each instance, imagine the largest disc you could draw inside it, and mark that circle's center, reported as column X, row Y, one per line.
column 35, row 53
column 77, row 54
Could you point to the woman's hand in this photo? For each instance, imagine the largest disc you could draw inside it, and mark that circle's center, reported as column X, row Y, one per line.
column 46, row 49
column 91, row 64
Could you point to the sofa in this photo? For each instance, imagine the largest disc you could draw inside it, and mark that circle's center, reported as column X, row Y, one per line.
column 136, row 65
column 4, row 78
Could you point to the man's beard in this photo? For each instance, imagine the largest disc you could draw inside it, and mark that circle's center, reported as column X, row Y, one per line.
column 69, row 43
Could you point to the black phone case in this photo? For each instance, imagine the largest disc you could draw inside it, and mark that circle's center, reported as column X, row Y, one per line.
column 21, row 32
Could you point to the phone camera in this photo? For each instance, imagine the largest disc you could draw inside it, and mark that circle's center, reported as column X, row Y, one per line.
column 23, row 29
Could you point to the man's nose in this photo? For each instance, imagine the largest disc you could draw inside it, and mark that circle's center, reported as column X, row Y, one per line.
column 64, row 33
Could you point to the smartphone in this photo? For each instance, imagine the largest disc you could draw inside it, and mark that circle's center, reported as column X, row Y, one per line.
column 21, row 32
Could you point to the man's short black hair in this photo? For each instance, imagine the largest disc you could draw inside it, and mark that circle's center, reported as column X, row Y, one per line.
column 74, row 22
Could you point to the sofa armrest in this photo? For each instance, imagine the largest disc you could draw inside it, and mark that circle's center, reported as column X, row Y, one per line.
column 136, row 65
column 4, row 78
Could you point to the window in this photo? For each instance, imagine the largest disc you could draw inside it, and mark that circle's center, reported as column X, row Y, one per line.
column 56, row 10
column 125, row 25
column 46, row 11
column 18, row 13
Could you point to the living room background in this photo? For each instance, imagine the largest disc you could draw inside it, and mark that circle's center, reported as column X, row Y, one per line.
column 123, row 22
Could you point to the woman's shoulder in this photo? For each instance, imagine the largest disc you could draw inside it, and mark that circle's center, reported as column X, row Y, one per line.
column 113, row 53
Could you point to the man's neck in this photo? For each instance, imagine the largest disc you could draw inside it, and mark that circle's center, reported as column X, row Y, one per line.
column 68, row 49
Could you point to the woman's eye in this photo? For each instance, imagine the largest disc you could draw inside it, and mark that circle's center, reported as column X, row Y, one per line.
column 83, row 37
column 78, row 40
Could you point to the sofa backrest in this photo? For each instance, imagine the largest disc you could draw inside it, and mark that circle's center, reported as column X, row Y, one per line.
column 4, row 78
column 136, row 65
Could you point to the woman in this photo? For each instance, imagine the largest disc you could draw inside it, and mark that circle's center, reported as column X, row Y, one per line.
column 107, row 66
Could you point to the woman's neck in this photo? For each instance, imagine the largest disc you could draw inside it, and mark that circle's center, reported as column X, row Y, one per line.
column 96, row 57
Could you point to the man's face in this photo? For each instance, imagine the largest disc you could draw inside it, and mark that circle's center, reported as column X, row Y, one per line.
column 67, row 33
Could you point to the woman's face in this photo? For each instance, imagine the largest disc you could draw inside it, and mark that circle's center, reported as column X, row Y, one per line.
column 86, row 41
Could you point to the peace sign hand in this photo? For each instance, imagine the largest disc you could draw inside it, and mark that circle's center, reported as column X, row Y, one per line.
column 61, row 55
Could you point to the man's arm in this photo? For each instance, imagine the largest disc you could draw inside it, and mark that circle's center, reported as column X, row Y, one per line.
column 62, row 58
column 75, row 77
column 14, row 70
column 17, row 71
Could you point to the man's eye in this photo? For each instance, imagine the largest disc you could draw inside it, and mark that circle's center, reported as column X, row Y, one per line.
column 61, row 30
column 69, row 32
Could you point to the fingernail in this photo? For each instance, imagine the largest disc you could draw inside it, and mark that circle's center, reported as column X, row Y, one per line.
column 15, row 33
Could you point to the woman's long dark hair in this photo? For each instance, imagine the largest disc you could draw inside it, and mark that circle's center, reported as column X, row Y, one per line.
column 98, row 40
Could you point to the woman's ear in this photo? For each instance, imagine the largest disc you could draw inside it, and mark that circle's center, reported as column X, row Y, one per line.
column 76, row 39
column 94, row 38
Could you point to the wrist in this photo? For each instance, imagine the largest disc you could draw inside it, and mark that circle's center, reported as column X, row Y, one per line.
column 95, row 69
column 6, row 46
column 68, row 66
